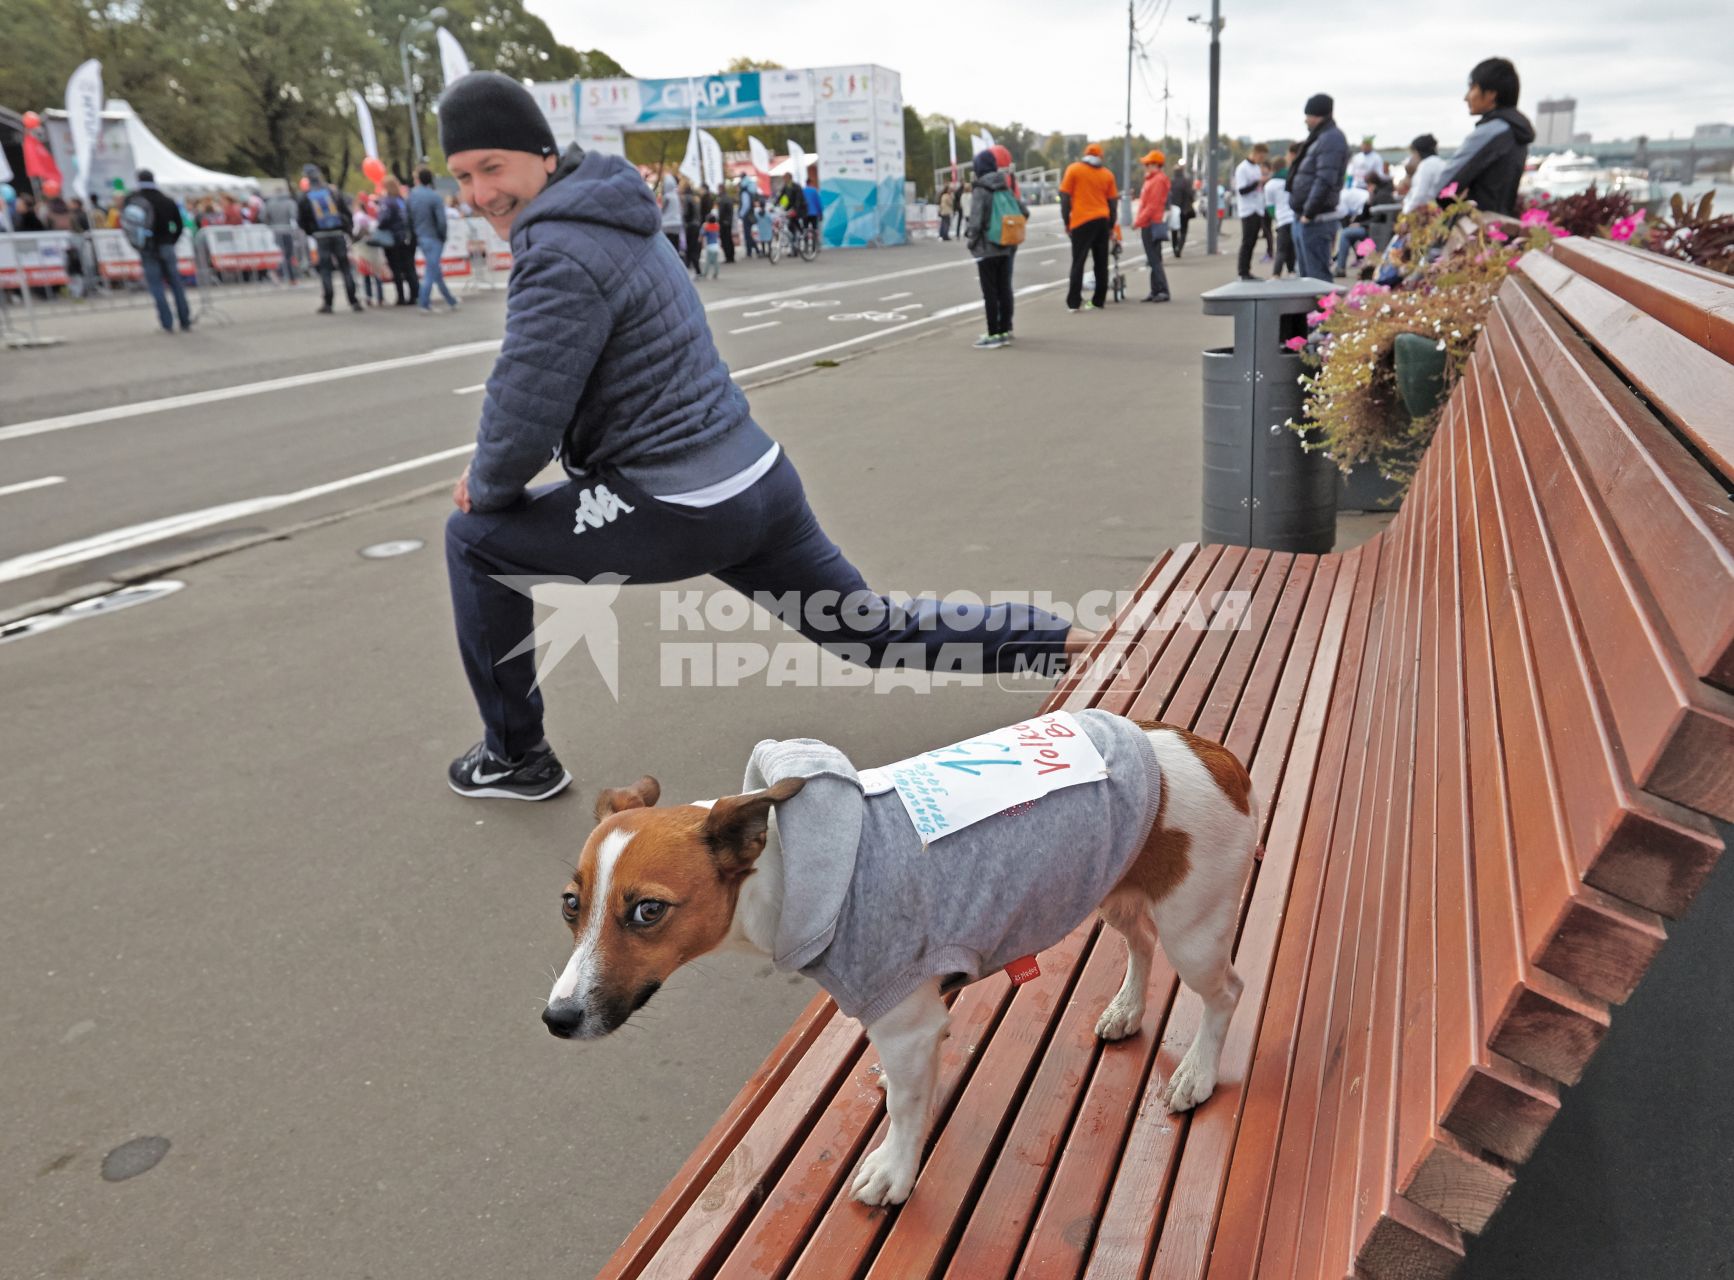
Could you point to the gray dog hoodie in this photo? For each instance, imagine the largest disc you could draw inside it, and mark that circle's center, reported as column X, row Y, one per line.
column 870, row 913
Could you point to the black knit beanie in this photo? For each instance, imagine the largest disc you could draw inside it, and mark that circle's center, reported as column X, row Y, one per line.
column 487, row 111
column 1319, row 104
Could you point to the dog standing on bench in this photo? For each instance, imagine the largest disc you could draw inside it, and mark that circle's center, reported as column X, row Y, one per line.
column 891, row 886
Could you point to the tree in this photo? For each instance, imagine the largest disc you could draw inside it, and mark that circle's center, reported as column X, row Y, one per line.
column 751, row 64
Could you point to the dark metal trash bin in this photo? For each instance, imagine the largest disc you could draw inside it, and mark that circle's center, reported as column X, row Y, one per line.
column 1382, row 222
column 1261, row 489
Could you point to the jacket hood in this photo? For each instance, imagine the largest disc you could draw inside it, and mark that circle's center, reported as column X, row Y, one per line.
column 591, row 187
column 1093, row 160
column 1521, row 129
column 992, row 181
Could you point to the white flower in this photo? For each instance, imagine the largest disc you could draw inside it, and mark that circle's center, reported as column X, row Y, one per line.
column 1440, row 345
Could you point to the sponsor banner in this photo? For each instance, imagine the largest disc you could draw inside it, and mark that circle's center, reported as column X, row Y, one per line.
column 34, row 257
column 559, row 107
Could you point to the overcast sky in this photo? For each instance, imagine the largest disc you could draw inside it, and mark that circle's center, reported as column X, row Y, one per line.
column 1654, row 68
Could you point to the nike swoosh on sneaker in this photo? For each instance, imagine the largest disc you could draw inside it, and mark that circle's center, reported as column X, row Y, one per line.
column 481, row 780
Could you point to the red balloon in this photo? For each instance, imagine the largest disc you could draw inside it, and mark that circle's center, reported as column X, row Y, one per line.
column 32, row 120
column 50, row 188
column 305, row 184
column 374, row 168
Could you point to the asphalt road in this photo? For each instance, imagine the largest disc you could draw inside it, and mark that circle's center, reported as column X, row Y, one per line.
column 122, row 447
column 248, row 930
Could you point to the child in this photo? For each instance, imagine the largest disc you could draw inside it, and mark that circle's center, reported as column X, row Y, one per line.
column 712, row 248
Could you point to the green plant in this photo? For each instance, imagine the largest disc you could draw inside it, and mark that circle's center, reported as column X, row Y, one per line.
column 1587, row 213
column 1456, row 260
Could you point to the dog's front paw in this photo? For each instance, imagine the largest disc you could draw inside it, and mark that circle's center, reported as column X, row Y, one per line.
column 1190, row 1085
column 884, row 1178
column 1119, row 1020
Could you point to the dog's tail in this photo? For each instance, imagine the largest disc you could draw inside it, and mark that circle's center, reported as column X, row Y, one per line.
column 1257, row 823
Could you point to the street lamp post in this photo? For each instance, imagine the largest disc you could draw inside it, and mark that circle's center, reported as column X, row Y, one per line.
column 433, row 16
column 1215, row 127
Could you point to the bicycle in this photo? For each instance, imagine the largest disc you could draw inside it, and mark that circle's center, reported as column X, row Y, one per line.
column 802, row 237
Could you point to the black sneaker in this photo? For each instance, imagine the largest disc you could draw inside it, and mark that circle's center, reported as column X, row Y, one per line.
column 535, row 776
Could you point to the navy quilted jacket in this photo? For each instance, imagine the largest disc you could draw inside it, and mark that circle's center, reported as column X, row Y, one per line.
column 607, row 357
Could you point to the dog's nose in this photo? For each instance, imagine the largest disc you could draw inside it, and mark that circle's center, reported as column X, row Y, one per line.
column 563, row 1019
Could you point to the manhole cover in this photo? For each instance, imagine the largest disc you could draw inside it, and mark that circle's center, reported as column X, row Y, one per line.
column 396, row 547
column 125, row 598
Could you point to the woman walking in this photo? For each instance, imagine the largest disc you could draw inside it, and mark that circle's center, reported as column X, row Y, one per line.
column 370, row 258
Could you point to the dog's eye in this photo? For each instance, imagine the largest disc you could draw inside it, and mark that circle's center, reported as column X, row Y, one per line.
column 569, row 905
column 649, row 911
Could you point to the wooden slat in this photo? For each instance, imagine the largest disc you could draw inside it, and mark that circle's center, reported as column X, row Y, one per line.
column 1442, row 1040
column 1676, row 732
column 1135, row 667
column 847, row 1236
column 1320, row 1018
column 1674, row 515
column 1000, row 1220
column 1259, row 655
column 1366, row 1081
column 1279, row 674
column 1258, row 583
column 664, row 1215
column 1290, row 743
column 1695, row 303
column 1102, row 660
column 1405, row 957
column 1595, row 941
column 1491, row 1107
column 1303, row 821
column 730, row 1195
column 1189, row 631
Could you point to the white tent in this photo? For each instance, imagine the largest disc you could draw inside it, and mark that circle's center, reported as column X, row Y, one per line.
column 126, row 146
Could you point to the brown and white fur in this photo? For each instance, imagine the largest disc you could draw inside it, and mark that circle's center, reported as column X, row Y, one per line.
column 657, row 887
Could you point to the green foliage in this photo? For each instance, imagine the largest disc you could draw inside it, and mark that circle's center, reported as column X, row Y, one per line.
column 259, row 86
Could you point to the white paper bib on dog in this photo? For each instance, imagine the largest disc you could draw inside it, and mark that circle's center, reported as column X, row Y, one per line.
column 952, row 787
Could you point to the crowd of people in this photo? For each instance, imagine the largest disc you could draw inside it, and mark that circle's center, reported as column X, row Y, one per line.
column 704, row 225
column 1316, row 205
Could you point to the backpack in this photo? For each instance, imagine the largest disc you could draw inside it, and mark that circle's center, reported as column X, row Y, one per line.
column 326, row 215
column 1006, row 223
column 138, row 220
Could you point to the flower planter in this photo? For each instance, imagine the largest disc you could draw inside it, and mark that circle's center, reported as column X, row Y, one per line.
column 1420, row 368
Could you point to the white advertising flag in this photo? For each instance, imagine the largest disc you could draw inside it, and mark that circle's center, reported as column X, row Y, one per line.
column 987, row 140
column 453, row 64
column 364, row 122
column 710, row 159
column 760, row 153
column 951, row 140
column 5, row 167
column 84, row 115
column 797, row 161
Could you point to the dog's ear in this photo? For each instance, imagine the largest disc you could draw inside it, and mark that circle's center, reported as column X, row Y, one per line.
column 736, row 826
column 642, row 794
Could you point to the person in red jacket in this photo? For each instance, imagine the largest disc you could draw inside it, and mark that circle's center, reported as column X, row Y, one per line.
column 1151, row 219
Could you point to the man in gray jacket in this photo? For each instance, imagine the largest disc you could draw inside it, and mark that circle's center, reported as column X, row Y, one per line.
column 992, row 260
column 608, row 364
column 427, row 218
column 1314, row 180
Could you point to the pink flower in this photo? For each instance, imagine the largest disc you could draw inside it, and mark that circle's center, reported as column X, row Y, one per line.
column 1296, row 344
column 1448, row 192
column 1624, row 227
column 1328, row 303
column 1515, row 259
column 1496, row 233
column 1536, row 217
column 1316, row 317
column 1560, row 233
column 1363, row 247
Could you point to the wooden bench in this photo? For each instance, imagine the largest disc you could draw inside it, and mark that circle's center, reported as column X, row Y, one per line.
column 1484, row 742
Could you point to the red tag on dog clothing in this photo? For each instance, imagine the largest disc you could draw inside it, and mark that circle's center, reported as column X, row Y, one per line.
column 1022, row 970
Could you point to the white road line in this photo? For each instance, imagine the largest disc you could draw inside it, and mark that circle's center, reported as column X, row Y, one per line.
column 469, row 391
column 1048, row 262
column 140, row 535
column 944, row 313
column 26, row 485
column 892, row 297
column 909, row 306
column 218, row 394
column 753, row 328
column 731, row 304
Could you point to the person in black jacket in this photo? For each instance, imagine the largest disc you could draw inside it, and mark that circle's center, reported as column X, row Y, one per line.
column 158, row 253
column 1314, row 180
column 324, row 217
column 1489, row 164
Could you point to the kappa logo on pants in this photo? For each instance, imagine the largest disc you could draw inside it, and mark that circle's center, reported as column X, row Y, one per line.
column 597, row 507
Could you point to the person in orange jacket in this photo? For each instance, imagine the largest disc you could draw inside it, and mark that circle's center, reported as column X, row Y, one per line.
column 1089, row 207
column 1151, row 219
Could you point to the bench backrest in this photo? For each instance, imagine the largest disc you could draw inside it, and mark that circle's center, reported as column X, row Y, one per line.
column 1554, row 624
